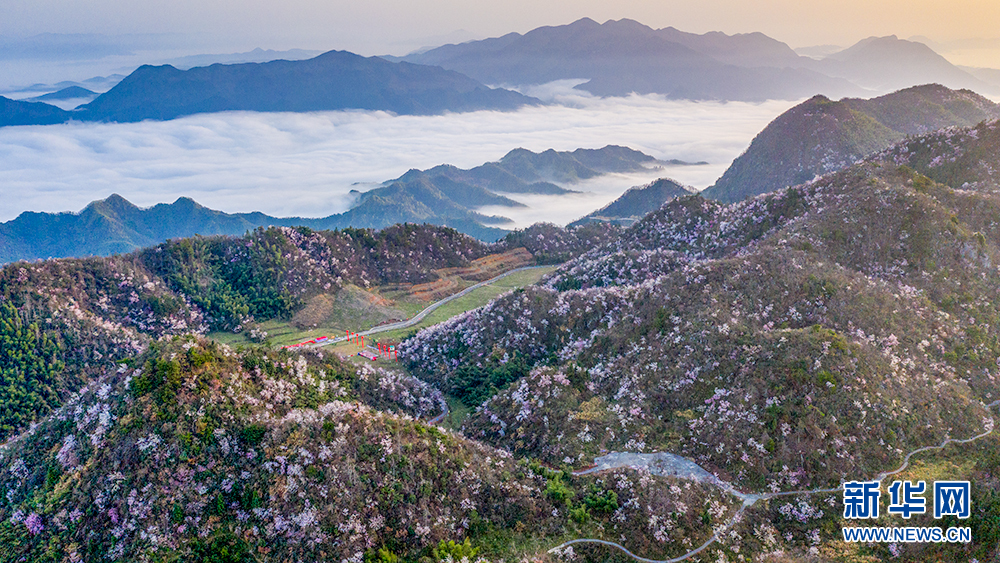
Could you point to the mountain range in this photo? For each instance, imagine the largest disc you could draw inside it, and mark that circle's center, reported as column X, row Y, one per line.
column 443, row 195
column 615, row 58
column 821, row 135
column 332, row 81
column 624, row 56
column 620, row 57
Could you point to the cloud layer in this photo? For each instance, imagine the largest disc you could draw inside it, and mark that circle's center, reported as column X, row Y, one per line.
column 305, row 164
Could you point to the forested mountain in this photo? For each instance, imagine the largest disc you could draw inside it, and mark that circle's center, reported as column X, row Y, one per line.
column 83, row 310
column 821, row 135
column 753, row 337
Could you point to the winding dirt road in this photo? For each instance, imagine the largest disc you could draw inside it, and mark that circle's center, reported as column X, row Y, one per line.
column 627, row 459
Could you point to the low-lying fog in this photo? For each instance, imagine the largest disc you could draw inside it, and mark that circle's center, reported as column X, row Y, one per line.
column 305, row 164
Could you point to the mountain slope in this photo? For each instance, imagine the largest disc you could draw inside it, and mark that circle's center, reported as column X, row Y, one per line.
column 750, row 337
column 963, row 159
column 207, row 454
column 820, row 136
column 621, row 57
column 62, row 321
column 785, row 343
column 331, row 81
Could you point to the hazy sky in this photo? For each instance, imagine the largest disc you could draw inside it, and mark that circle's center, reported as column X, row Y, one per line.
column 395, row 26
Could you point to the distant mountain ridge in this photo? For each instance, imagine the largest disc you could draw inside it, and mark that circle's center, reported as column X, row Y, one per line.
column 740, row 49
column 820, row 136
column 332, row 81
column 523, row 171
column 886, row 64
column 625, row 56
column 68, row 93
column 257, row 55
column 444, row 195
column 620, row 57
column 616, row 58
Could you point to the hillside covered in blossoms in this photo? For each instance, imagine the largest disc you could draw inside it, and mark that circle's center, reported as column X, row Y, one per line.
column 794, row 340
column 781, row 346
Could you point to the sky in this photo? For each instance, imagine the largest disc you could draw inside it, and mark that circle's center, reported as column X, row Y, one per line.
column 398, row 26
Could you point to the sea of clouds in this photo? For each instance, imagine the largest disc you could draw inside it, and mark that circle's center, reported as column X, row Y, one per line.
column 305, row 164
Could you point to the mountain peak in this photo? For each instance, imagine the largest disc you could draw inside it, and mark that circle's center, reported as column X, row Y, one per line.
column 185, row 202
column 115, row 201
column 626, row 23
column 112, row 206
column 584, row 22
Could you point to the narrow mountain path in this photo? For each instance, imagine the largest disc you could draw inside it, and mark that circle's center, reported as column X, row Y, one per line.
column 677, row 466
column 439, row 418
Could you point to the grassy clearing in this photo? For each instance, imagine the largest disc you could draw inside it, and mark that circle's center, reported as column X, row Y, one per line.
column 283, row 333
column 471, row 300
